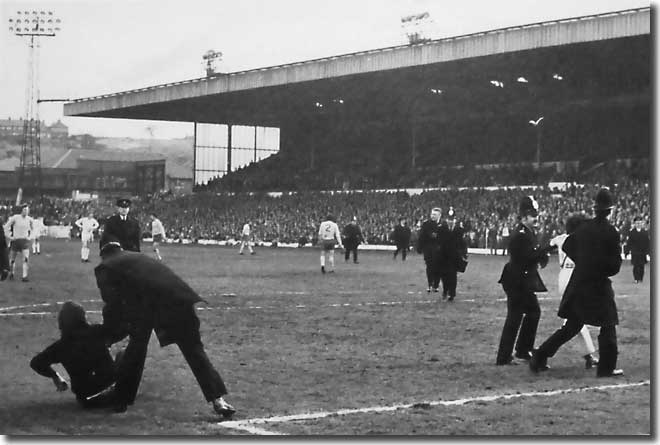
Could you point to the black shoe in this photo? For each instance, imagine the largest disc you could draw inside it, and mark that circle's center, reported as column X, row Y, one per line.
column 428, row 291
column 523, row 355
column 590, row 361
column 509, row 361
column 24, row 279
column 613, row 373
column 322, row 269
column 538, row 363
column 435, row 289
column 223, row 408
column 451, row 298
column 356, row 262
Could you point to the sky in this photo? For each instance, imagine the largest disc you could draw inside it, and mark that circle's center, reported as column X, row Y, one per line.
column 111, row 46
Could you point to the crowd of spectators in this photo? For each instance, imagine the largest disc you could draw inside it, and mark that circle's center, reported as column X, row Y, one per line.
column 294, row 217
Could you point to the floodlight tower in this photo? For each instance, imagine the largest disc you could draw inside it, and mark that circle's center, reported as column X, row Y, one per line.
column 33, row 24
column 210, row 57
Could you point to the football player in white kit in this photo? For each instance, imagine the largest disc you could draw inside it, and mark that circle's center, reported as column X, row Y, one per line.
column 19, row 228
column 157, row 233
column 245, row 239
column 38, row 225
column 87, row 225
column 329, row 236
column 566, row 266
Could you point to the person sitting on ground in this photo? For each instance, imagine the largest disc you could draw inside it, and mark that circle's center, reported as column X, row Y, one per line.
column 83, row 353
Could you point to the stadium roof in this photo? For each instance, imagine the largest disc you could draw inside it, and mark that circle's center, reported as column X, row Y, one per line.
column 470, row 73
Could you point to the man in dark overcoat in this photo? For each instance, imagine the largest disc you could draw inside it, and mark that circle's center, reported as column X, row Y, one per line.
column 4, row 256
column 401, row 237
column 352, row 238
column 637, row 247
column 454, row 251
column 595, row 248
column 520, row 280
column 432, row 235
column 141, row 294
column 124, row 227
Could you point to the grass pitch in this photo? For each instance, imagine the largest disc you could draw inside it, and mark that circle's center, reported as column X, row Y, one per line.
column 290, row 341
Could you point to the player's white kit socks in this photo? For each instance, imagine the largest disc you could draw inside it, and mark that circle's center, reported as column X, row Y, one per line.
column 331, row 260
column 84, row 253
column 322, row 259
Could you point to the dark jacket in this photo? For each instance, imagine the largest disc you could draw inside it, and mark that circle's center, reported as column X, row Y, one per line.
column 401, row 235
column 454, row 248
column 432, row 236
column 520, row 274
column 352, row 235
column 139, row 291
column 637, row 246
column 84, row 355
column 4, row 251
column 127, row 232
column 596, row 251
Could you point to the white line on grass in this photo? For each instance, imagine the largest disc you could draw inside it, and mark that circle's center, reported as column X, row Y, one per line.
column 4, row 310
column 248, row 425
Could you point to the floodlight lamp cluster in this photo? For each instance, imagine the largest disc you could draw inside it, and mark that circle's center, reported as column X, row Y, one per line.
column 34, row 23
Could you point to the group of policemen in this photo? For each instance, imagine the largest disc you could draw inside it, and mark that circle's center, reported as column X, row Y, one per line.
column 445, row 252
column 595, row 249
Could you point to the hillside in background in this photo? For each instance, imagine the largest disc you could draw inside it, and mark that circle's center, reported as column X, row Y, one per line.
column 175, row 151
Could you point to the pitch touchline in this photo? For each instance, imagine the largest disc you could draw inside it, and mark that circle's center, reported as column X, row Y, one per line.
column 4, row 313
column 248, row 425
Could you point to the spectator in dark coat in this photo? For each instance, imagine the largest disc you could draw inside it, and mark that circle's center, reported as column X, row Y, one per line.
column 82, row 351
column 141, row 294
column 637, row 247
column 520, row 280
column 454, row 252
column 401, row 238
column 431, row 237
column 4, row 256
column 589, row 298
column 124, row 227
column 352, row 238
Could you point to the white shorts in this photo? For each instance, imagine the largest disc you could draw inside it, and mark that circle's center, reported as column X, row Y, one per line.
column 328, row 244
column 87, row 237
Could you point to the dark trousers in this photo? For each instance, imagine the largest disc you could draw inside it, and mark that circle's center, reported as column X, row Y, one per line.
column 522, row 314
column 433, row 273
column 607, row 344
column 131, row 366
column 403, row 249
column 449, row 280
column 638, row 267
column 348, row 248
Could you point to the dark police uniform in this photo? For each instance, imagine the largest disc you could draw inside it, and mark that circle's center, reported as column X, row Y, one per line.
column 4, row 256
column 638, row 247
column 520, row 280
column 595, row 249
column 431, row 237
column 454, row 251
column 352, row 239
column 141, row 294
column 401, row 237
column 126, row 230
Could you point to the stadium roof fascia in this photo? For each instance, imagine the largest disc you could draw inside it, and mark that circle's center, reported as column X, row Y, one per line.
column 365, row 52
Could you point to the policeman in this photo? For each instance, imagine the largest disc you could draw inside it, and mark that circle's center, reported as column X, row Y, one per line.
column 520, row 280
column 124, row 227
column 431, row 237
column 454, row 256
column 638, row 247
column 595, row 248
column 401, row 237
column 141, row 294
column 352, row 238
